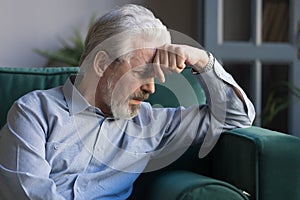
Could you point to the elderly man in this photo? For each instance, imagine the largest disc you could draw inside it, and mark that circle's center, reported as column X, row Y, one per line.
column 92, row 137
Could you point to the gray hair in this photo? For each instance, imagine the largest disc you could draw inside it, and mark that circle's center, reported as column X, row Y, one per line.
column 119, row 31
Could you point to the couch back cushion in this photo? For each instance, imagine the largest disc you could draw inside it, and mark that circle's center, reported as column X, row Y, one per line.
column 178, row 90
column 15, row 82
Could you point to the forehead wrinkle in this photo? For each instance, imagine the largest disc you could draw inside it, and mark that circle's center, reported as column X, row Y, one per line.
column 142, row 57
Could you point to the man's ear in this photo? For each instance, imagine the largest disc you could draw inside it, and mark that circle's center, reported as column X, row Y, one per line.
column 101, row 62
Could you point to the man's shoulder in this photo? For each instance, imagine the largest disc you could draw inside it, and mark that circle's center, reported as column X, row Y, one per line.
column 35, row 107
column 39, row 96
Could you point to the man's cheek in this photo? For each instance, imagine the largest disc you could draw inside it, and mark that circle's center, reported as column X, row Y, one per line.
column 124, row 88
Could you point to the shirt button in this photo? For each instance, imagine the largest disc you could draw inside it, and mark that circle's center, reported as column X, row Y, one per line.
column 56, row 147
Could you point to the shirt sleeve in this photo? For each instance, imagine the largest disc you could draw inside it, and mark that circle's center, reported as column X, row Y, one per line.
column 227, row 110
column 178, row 128
column 203, row 124
column 24, row 171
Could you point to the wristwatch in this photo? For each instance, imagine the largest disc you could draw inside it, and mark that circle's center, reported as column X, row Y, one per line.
column 208, row 66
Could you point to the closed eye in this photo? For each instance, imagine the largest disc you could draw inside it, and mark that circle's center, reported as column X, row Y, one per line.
column 143, row 72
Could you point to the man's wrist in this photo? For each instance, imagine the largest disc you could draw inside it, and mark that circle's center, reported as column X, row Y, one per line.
column 208, row 66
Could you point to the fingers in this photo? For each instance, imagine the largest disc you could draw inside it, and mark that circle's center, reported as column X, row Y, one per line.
column 181, row 58
column 168, row 58
column 157, row 69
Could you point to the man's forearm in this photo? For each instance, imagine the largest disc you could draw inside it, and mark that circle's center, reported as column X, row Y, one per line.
column 227, row 100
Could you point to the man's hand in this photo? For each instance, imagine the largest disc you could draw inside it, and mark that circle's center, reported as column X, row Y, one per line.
column 174, row 58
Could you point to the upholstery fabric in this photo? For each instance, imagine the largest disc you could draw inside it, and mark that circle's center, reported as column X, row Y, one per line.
column 185, row 185
column 265, row 162
column 167, row 96
column 16, row 82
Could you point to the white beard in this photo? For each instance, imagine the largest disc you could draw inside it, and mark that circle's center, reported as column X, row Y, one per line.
column 120, row 107
column 122, row 110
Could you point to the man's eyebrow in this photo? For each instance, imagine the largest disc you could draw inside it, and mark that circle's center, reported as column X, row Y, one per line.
column 143, row 68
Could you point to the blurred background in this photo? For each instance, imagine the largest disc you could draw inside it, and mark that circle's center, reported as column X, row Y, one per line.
column 257, row 41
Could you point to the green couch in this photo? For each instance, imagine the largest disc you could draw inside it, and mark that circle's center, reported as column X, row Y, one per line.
column 251, row 161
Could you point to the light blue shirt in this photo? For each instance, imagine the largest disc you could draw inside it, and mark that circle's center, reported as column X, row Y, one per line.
column 55, row 145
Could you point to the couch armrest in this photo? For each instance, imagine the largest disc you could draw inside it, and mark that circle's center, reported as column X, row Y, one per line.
column 182, row 185
column 262, row 162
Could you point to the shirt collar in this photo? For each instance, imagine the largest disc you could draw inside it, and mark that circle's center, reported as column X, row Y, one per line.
column 75, row 101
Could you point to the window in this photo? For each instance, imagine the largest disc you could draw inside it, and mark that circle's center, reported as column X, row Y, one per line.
column 255, row 40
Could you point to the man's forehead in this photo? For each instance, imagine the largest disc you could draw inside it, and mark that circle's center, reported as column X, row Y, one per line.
column 142, row 56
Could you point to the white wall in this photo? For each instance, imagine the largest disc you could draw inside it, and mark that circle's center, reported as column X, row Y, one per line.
column 29, row 24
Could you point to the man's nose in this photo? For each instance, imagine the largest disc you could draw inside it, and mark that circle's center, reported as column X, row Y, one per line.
column 149, row 87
